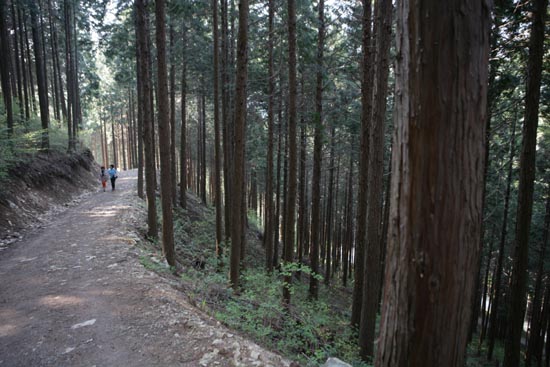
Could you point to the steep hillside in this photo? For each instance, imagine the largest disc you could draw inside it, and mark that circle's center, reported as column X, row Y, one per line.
column 44, row 183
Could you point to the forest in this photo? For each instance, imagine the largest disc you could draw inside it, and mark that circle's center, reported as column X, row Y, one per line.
column 373, row 177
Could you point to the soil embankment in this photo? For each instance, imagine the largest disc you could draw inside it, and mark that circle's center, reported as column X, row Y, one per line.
column 40, row 187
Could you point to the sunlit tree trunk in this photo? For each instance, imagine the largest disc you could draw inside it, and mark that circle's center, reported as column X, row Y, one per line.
column 164, row 136
column 142, row 35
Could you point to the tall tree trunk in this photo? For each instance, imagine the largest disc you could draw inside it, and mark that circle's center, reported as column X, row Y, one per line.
column 18, row 69
column 268, row 232
column 237, row 235
column 69, row 74
column 140, row 114
column 217, row 152
column 302, row 219
column 142, row 36
column 375, row 187
column 174, row 173
column 526, row 187
column 329, row 209
column 484, row 311
column 122, row 144
column 438, row 150
column 23, row 65
column 493, row 322
column 536, row 318
column 366, row 108
column 317, row 157
column 29, row 66
column 276, row 223
column 226, row 118
column 183, row 140
column 4, row 69
column 164, row 137
column 348, row 240
column 292, row 151
column 40, row 78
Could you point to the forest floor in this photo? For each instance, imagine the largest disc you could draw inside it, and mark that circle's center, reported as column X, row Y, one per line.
column 75, row 293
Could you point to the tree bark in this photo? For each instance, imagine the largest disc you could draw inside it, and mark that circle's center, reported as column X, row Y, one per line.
column 437, row 176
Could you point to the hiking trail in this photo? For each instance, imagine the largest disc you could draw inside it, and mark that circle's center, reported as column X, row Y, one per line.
column 74, row 293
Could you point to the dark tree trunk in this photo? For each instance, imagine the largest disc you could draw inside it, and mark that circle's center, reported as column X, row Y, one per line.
column 23, row 65
column 237, row 235
column 526, row 187
column 535, row 338
column 366, row 109
column 439, row 143
column 348, row 239
column 4, row 69
column 203, row 144
column 140, row 114
column 226, row 129
column 292, row 151
column 276, row 225
column 375, row 187
column 69, row 75
column 173, row 171
column 317, row 158
column 217, row 150
column 302, row 219
column 329, row 210
column 18, row 68
column 268, row 233
column 493, row 322
column 40, row 78
column 183, row 140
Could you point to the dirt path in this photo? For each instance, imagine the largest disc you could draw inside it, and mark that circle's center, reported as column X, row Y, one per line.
column 75, row 294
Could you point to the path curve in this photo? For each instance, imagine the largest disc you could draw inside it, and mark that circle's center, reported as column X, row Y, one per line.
column 74, row 293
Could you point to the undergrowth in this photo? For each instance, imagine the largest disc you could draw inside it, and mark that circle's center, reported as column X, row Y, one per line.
column 307, row 332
